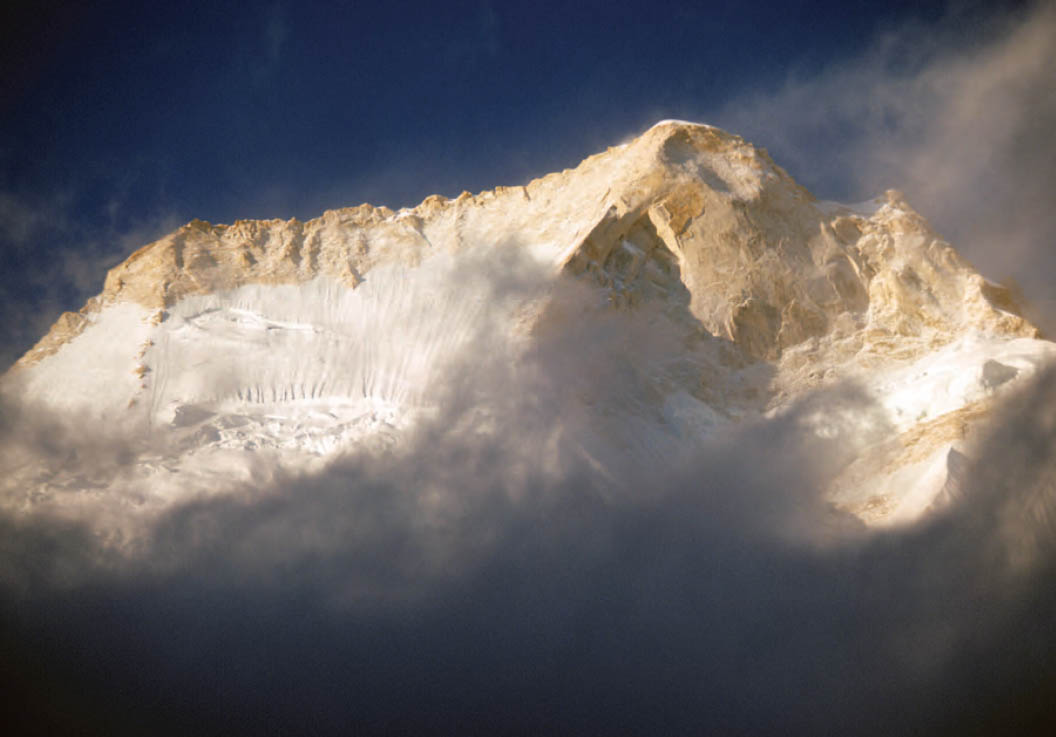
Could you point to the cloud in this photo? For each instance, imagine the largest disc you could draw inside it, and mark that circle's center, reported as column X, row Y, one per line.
column 486, row 577
column 958, row 115
column 490, row 28
column 17, row 221
column 59, row 264
column 275, row 32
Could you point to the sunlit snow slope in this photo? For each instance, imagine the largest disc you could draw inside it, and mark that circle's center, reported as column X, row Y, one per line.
column 224, row 354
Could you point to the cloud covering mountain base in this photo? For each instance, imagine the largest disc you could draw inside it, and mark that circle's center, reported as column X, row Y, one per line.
column 496, row 581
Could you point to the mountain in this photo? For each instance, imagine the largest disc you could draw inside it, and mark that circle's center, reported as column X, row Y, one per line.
column 721, row 291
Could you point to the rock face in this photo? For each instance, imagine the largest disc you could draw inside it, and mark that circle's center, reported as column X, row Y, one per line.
column 303, row 338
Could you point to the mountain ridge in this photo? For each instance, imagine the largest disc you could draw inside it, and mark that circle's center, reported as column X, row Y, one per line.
column 159, row 273
column 200, row 257
column 331, row 330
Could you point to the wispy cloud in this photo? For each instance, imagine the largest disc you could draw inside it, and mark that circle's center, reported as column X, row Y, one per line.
column 59, row 263
column 958, row 115
column 275, row 32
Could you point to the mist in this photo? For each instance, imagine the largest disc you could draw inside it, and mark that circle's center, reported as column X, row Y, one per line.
column 513, row 567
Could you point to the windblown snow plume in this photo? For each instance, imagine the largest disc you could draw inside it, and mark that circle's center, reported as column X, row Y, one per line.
column 660, row 444
column 959, row 115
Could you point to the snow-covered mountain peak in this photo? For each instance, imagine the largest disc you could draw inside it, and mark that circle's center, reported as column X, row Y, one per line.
column 277, row 344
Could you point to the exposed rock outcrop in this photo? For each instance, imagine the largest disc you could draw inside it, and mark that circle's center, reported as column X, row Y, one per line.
column 688, row 218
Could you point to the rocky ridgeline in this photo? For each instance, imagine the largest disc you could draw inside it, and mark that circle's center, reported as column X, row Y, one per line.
column 686, row 217
column 765, row 265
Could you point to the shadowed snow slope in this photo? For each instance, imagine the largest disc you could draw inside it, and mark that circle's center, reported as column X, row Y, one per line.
column 227, row 354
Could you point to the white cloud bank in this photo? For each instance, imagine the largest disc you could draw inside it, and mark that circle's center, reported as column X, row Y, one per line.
column 493, row 582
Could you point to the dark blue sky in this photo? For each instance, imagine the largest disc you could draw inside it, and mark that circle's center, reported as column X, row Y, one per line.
column 119, row 121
